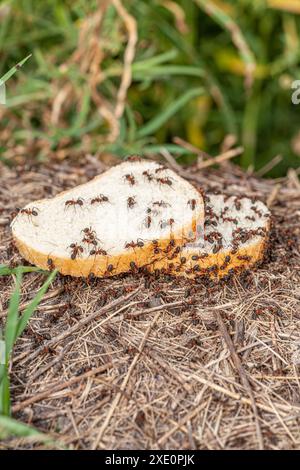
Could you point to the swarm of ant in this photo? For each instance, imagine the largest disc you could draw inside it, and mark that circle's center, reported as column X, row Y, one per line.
column 90, row 245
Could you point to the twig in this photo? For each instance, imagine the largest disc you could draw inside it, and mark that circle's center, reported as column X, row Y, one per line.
column 221, row 158
column 240, row 398
column 191, row 148
column 57, row 387
column 269, row 166
column 242, row 374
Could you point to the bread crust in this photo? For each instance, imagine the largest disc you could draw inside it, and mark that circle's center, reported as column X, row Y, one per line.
column 98, row 265
column 214, row 265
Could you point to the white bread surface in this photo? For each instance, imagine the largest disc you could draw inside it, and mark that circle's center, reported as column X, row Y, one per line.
column 236, row 236
column 124, row 219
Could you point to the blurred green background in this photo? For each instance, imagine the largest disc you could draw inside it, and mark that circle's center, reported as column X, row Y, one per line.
column 198, row 70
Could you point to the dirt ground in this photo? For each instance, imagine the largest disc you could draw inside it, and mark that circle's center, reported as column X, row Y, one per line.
column 133, row 363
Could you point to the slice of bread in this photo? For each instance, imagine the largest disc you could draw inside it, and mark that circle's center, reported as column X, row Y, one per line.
column 124, row 219
column 236, row 235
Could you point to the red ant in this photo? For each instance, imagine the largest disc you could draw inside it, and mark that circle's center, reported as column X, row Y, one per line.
column 161, row 204
column 134, row 158
column 164, row 223
column 133, row 245
column 74, row 202
column 131, row 202
column 90, row 236
column 133, row 267
column 130, row 179
column 99, row 199
column 50, row 264
column 34, row 211
column 148, row 175
column 192, row 203
column 164, row 181
column 89, row 241
column 76, row 250
column 109, row 270
column 148, row 221
column 161, row 168
column 98, row 251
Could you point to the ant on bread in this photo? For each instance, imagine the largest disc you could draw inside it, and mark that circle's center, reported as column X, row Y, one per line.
column 76, row 250
column 131, row 202
column 134, row 158
column 98, row 251
column 90, row 236
column 130, row 179
column 99, row 199
column 30, row 212
column 165, row 223
column 50, row 264
column 109, row 270
column 160, row 168
column 161, row 204
column 192, row 203
column 139, row 244
column 74, row 202
column 148, row 221
column 148, row 175
column 165, row 180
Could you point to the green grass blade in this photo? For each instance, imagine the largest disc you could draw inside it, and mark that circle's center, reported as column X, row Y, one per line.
column 6, row 271
column 33, row 304
column 10, row 427
column 154, row 124
column 238, row 39
column 12, row 317
column 4, row 391
column 13, row 70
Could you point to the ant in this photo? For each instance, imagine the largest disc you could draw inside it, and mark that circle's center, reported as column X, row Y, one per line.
column 89, row 232
column 133, row 267
column 148, row 221
column 134, row 158
column 90, row 241
column 131, row 202
column 74, row 202
column 166, row 180
column 161, row 204
column 76, row 250
column 148, row 175
column 130, row 179
column 90, row 236
column 109, row 270
column 98, row 251
column 50, row 264
column 99, row 199
column 34, row 211
column 133, row 245
column 169, row 222
column 161, row 168
column 192, row 203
